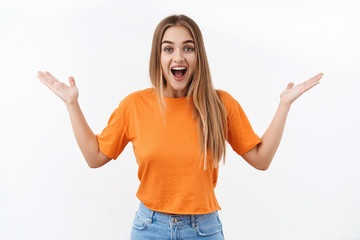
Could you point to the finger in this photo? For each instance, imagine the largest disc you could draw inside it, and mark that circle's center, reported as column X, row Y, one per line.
column 311, row 82
column 50, row 81
column 315, row 78
column 45, row 78
column 72, row 81
column 51, row 76
column 320, row 74
column 41, row 74
column 310, row 85
column 290, row 85
column 46, row 82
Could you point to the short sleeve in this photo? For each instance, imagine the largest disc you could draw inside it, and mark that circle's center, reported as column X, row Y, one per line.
column 241, row 136
column 114, row 137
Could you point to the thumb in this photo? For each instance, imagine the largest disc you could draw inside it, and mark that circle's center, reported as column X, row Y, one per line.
column 72, row 81
column 290, row 85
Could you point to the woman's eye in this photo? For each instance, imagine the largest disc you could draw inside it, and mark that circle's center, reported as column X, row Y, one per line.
column 167, row 49
column 189, row 49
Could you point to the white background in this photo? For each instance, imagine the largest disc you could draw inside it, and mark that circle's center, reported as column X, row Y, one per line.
column 310, row 191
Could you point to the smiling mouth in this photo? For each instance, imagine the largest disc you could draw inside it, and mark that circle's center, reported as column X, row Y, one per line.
column 178, row 72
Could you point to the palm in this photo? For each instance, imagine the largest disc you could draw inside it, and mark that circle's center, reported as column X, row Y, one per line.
column 290, row 94
column 66, row 93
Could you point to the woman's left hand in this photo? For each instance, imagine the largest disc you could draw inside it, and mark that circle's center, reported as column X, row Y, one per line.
column 291, row 93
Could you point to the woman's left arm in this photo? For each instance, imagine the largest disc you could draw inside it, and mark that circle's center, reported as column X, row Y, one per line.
column 262, row 154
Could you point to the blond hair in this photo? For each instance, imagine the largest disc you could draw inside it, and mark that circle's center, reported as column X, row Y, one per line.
column 208, row 109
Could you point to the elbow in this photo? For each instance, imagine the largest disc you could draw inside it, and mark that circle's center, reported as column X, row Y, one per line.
column 98, row 161
column 92, row 164
column 264, row 168
column 95, row 165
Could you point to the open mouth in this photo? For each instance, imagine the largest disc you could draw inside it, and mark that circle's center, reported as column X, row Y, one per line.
column 178, row 72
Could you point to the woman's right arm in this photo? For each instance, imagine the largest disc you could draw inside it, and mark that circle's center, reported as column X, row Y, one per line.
column 85, row 138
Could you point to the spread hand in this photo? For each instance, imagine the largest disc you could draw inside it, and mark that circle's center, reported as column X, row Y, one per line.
column 291, row 93
column 67, row 93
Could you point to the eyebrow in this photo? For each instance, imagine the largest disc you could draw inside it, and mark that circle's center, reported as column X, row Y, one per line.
column 187, row 41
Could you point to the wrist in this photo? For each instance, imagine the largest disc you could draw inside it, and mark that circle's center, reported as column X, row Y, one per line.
column 72, row 103
column 284, row 105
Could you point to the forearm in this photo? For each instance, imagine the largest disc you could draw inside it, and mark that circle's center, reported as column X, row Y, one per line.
column 270, row 141
column 261, row 156
column 85, row 138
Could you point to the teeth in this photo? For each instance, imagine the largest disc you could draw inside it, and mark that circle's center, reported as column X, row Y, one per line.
column 178, row 68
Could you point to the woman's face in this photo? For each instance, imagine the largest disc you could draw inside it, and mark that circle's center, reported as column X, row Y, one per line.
column 178, row 60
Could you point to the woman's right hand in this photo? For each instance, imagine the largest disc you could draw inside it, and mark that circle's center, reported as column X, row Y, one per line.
column 67, row 94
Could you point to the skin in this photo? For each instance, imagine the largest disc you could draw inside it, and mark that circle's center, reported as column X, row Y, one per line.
column 85, row 137
column 177, row 48
column 176, row 51
column 261, row 155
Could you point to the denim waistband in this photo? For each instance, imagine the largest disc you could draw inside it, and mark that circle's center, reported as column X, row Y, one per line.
column 171, row 219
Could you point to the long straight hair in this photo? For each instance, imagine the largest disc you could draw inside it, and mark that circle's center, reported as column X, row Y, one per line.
column 208, row 109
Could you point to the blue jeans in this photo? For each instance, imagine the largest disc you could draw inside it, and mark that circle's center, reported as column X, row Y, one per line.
column 152, row 225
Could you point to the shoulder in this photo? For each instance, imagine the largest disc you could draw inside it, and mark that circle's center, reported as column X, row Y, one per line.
column 230, row 103
column 223, row 93
column 138, row 96
column 227, row 99
column 148, row 92
column 134, row 100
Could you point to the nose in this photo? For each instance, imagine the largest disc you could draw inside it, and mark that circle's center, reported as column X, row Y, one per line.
column 178, row 56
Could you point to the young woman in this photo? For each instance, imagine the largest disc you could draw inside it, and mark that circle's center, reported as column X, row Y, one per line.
column 178, row 130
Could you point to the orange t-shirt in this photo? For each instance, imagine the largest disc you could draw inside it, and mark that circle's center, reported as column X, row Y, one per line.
column 171, row 173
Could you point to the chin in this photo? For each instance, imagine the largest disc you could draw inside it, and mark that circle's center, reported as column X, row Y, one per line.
column 176, row 88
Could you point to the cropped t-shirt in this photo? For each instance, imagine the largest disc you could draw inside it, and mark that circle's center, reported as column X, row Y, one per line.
column 170, row 165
